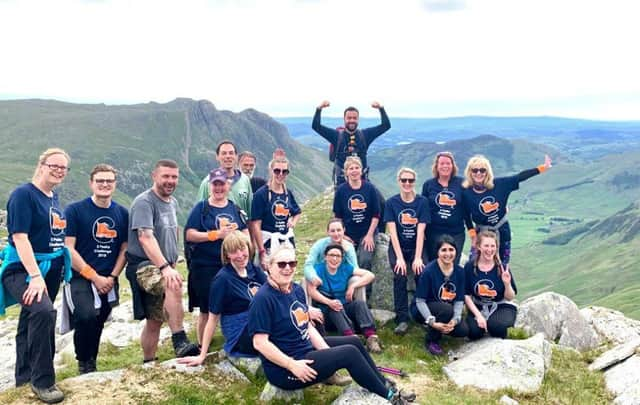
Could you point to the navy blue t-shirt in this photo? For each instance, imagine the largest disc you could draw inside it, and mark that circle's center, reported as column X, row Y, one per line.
column 203, row 218
column 407, row 216
column 485, row 287
column 434, row 286
column 445, row 204
column 356, row 208
column 285, row 318
column 488, row 207
column 99, row 233
column 273, row 209
column 231, row 294
column 31, row 211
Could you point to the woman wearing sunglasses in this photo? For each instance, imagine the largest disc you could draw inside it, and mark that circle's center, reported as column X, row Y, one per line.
column 274, row 210
column 34, row 262
column 444, row 193
column 230, row 294
column 293, row 353
column 406, row 215
column 486, row 198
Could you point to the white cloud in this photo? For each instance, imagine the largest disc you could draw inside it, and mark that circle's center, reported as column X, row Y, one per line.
column 285, row 56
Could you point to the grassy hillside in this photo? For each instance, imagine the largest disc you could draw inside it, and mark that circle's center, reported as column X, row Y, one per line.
column 133, row 137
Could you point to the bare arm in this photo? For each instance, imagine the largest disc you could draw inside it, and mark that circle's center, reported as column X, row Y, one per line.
column 207, row 337
column 149, row 244
column 120, row 261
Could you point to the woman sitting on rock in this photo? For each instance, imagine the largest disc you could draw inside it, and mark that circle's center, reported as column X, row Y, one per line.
column 490, row 290
column 230, row 294
column 335, row 232
column 293, row 353
column 335, row 296
column 439, row 296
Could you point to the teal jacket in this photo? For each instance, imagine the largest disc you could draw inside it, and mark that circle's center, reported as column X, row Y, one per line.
column 10, row 255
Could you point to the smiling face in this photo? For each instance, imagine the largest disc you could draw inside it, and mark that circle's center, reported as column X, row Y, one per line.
column 280, row 171
column 283, row 276
column 478, row 174
column 336, row 232
column 444, row 166
column 165, row 180
column 103, row 184
column 239, row 258
column 351, row 120
column 247, row 165
column 333, row 258
column 446, row 254
column 219, row 190
column 407, row 182
column 54, row 169
column 488, row 247
column 354, row 172
column 227, row 156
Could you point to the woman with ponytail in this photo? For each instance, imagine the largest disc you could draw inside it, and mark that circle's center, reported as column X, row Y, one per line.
column 489, row 290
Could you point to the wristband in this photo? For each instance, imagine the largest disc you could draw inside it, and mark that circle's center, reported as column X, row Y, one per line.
column 164, row 266
column 88, row 272
column 542, row 168
column 472, row 233
column 113, row 276
column 35, row 276
column 213, row 235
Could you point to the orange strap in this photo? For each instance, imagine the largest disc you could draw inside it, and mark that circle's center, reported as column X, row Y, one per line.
column 542, row 168
column 88, row 272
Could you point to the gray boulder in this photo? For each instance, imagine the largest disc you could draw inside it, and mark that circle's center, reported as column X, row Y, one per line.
column 382, row 316
column 98, row 377
column 558, row 318
column 502, row 364
column 615, row 355
column 181, row 368
column 356, row 395
column 252, row 365
column 226, row 368
column 612, row 325
column 273, row 393
column 623, row 380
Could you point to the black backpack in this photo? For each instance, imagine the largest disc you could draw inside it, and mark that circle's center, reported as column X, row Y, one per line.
column 333, row 150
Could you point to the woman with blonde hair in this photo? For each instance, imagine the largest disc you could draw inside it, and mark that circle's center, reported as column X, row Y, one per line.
column 489, row 290
column 486, row 198
column 230, row 295
column 34, row 262
column 444, row 193
column 274, row 210
column 406, row 215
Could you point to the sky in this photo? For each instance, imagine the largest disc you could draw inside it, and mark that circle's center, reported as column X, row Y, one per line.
column 420, row 58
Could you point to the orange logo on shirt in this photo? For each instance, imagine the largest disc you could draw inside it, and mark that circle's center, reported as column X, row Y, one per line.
column 281, row 210
column 57, row 222
column 301, row 317
column 357, row 204
column 223, row 222
column 485, row 291
column 408, row 219
column 489, row 206
column 447, row 295
column 103, row 231
column 444, row 199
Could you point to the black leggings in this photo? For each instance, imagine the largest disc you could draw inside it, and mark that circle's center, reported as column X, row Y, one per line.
column 344, row 352
column 443, row 312
column 502, row 319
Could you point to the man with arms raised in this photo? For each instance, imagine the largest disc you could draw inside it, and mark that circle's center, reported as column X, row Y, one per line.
column 97, row 239
column 351, row 141
column 240, row 192
column 153, row 237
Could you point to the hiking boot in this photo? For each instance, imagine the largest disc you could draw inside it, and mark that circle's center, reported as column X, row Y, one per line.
column 409, row 396
column 435, row 349
column 401, row 329
column 390, row 384
column 83, row 367
column 186, row 348
column 51, row 395
column 373, row 344
column 338, row 379
column 91, row 365
column 398, row 399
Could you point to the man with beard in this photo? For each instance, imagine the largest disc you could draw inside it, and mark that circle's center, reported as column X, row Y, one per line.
column 247, row 162
column 351, row 141
column 240, row 192
column 153, row 239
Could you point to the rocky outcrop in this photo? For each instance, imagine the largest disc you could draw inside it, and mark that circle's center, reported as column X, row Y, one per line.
column 616, row 355
column 612, row 325
column 382, row 293
column 273, row 393
column 494, row 364
column 558, row 318
column 356, row 395
column 623, row 381
column 382, row 316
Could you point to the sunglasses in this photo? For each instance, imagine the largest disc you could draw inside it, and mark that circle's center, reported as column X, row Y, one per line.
column 104, row 181
column 292, row 264
column 478, row 170
column 280, row 171
column 410, row 181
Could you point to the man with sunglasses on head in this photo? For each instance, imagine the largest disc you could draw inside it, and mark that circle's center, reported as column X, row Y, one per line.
column 351, row 141
column 240, row 193
column 97, row 238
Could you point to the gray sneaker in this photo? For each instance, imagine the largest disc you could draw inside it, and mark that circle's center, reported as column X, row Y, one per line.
column 401, row 329
column 51, row 395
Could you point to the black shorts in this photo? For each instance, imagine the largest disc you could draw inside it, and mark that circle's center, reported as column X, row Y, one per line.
column 198, row 288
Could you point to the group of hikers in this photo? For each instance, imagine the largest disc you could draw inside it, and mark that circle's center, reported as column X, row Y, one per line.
column 239, row 245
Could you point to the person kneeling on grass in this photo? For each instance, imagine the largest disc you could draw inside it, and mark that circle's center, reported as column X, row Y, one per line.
column 440, row 296
column 335, row 296
column 293, row 353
